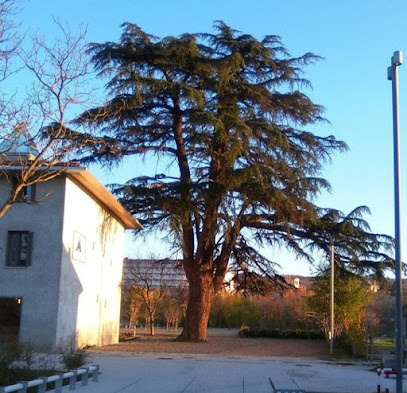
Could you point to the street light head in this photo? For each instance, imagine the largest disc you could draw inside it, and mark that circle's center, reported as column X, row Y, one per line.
column 397, row 58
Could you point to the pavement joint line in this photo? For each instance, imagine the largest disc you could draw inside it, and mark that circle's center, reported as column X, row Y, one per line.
column 272, row 384
column 295, row 383
column 125, row 387
column 186, row 387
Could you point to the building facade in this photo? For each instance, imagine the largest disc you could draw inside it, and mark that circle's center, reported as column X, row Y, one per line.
column 61, row 258
column 156, row 273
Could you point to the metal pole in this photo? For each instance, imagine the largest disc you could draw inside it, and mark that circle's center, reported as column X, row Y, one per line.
column 331, row 343
column 392, row 74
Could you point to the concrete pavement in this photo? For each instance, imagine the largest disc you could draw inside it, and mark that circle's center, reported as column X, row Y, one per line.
column 174, row 373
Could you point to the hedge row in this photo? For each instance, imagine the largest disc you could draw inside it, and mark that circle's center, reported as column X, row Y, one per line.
column 246, row 331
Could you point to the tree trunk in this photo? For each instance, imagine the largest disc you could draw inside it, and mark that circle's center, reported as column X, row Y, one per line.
column 152, row 326
column 201, row 293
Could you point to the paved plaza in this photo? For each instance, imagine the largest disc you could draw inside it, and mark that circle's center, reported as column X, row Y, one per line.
column 167, row 373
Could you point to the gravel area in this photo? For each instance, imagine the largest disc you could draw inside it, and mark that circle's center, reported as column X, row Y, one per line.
column 221, row 342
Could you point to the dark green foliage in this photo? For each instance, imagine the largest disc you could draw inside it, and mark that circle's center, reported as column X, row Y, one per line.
column 346, row 346
column 15, row 375
column 9, row 353
column 225, row 111
column 246, row 331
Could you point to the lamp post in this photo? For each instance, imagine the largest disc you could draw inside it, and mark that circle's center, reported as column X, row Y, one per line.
column 331, row 342
column 392, row 74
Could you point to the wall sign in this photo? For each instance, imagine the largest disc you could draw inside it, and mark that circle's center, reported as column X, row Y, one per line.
column 79, row 247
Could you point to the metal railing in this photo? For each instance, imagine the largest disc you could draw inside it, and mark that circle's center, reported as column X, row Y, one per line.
column 41, row 382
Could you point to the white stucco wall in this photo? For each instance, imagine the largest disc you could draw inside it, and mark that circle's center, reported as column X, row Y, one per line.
column 89, row 295
column 37, row 285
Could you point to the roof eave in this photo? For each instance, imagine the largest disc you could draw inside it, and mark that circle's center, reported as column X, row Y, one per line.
column 85, row 178
column 90, row 183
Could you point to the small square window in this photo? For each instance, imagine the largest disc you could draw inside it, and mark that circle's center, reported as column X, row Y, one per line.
column 27, row 193
column 19, row 245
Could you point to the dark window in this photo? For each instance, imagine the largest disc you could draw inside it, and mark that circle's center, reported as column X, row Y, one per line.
column 27, row 193
column 19, row 248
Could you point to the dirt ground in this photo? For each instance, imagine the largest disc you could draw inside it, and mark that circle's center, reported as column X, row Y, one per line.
column 221, row 342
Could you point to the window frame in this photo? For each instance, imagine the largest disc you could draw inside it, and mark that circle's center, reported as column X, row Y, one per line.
column 18, row 244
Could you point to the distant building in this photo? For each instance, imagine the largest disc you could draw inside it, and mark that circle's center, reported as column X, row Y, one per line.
column 374, row 287
column 156, row 273
column 299, row 282
column 61, row 257
column 229, row 284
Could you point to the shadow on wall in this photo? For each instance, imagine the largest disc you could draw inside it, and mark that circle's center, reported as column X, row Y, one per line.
column 107, row 229
column 86, row 318
column 69, row 292
column 107, row 334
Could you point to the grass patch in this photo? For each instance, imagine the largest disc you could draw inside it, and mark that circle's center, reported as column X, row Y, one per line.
column 384, row 344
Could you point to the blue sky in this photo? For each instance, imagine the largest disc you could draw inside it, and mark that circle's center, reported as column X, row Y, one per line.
column 356, row 39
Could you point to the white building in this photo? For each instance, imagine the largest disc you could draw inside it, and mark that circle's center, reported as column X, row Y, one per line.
column 61, row 258
column 159, row 273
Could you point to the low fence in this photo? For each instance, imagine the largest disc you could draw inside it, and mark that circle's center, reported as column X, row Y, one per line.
column 71, row 377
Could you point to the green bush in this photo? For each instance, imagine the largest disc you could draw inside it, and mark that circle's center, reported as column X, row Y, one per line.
column 72, row 358
column 246, row 331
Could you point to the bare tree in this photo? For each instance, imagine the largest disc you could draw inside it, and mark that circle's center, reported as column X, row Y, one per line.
column 155, row 283
column 171, row 314
column 10, row 36
column 134, row 313
column 130, row 309
column 34, row 128
column 146, row 280
column 10, row 41
column 175, row 305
